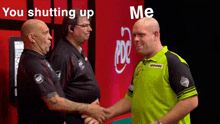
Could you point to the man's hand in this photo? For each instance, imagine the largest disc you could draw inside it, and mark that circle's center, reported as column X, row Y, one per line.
column 89, row 120
column 95, row 111
column 96, row 102
column 121, row 107
column 107, row 114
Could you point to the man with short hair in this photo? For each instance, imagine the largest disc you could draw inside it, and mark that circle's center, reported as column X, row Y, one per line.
column 72, row 65
column 162, row 90
column 40, row 95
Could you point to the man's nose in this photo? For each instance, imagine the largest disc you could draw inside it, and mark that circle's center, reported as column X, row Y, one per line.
column 50, row 37
column 89, row 28
column 136, row 39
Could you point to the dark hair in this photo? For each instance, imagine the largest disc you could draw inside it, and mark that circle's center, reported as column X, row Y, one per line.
column 68, row 21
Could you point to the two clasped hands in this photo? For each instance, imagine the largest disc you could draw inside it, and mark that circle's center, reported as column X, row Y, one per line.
column 96, row 114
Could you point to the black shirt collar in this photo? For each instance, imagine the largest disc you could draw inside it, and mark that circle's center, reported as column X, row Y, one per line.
column 73, row 48
column 34, row 53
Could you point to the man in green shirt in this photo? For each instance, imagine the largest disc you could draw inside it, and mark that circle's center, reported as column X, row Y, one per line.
column 162, row 90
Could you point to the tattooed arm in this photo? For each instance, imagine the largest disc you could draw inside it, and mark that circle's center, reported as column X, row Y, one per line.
column 56, row 103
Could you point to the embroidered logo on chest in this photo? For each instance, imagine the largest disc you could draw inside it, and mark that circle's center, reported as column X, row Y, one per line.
column 138, row 69
column 153, row 65
column 81, row 64
column 86, row 59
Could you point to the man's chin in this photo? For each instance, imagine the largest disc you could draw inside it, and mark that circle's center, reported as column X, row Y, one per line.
column 84, row 40
column 140, row 53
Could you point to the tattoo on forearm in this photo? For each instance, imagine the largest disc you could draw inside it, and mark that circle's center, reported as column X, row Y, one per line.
column 51, row 97
column 76, row 105
column 86, row 107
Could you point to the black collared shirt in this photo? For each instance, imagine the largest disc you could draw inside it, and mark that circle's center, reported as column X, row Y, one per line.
column 76, row 75
column 35, row 79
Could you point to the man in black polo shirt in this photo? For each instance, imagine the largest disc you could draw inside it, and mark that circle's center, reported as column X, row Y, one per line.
column 71, row 64
column 40, row 95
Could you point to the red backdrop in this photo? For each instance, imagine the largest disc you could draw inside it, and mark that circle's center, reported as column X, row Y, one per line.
column 113, row 24
column 112, row 19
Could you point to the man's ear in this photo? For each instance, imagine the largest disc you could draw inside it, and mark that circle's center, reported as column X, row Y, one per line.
column 70, row 28
column 31, row 37
column 156, row 35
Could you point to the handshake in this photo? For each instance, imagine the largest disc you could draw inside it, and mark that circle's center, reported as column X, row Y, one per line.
column 95, row 114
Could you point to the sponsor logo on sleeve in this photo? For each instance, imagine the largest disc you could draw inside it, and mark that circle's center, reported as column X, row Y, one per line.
column 58, row 72
column 48, row 65
column 184, row 81
column 39, row 78
column 131, row 87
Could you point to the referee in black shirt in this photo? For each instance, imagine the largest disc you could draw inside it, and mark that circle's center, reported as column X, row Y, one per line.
column 41, row 98
column 71, row 64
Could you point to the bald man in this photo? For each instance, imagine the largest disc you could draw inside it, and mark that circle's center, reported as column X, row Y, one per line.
column 162, row 90
column 41, row 98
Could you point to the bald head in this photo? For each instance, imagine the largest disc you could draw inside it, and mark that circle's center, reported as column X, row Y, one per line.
column 148, row 23
column 146, row 33
column 30, row 26
column 35, row 35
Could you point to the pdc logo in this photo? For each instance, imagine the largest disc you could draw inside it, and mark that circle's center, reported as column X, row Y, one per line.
column 122, row 51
